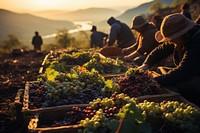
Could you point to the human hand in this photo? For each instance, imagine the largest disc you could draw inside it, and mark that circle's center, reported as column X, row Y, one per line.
column 144, row 67
column 128, row 58
column 124, row 50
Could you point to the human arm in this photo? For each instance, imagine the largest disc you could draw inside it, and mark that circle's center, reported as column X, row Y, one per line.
column 130, row 48
column 131, row 56
column 159, row 53
column 188, row 68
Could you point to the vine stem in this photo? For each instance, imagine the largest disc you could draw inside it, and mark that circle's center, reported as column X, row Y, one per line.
column 120, row 125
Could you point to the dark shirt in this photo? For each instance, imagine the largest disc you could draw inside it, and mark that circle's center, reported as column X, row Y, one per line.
column 121, row 33
column 146, row 41
column 37, row 40
column 189, row 64
column 187, row 14
column 97, row 39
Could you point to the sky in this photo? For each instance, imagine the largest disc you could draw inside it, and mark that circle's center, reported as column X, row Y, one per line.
column 70, row 5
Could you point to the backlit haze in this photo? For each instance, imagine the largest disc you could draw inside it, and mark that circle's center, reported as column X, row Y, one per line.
column 70, row 5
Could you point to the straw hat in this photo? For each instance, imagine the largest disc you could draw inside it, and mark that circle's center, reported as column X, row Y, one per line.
column 173, row 26
column 138, row 22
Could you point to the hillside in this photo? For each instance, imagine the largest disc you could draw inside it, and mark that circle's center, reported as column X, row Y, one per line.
column 141, row 9
column 91, row 14
column 51, row 14
column 23, row 26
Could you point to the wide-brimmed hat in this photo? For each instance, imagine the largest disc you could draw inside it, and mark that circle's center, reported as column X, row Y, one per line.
column 138, row 22
column 173, row 26
column 94, row 28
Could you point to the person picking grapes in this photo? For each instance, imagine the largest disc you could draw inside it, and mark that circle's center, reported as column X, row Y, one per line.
column 145, row 42
column 121, row 33
column 184, row 34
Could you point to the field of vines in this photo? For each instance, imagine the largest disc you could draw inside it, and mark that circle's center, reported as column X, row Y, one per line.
column 69, row 90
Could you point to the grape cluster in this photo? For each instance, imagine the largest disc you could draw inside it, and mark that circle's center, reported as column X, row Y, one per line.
column 79, row 86
column 76, row 58
column 96, row 115
column 105, row 65
column 176, row 114
column 36, row 92
column 137, row 83
column 60, row 61
column 101, row 112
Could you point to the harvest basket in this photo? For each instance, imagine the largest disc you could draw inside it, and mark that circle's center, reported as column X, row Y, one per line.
column 111, row 51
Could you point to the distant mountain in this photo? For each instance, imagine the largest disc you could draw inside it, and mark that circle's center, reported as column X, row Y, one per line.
column 91, row 14
column 24, row 25
column 141, row 9
column 51, row 14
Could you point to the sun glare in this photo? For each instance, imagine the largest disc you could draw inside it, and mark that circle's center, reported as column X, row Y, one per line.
column 44, row 4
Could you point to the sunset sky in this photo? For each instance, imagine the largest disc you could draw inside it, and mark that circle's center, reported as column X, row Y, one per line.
column 35, row 5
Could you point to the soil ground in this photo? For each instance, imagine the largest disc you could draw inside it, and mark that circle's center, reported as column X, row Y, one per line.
column 15, row 69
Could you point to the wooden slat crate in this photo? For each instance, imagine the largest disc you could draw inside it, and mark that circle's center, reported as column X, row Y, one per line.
column 31, row 112
column 41, row 70
column 18, row 105
column 74, row 128
column 112, row 75
column 166, row 97
column 52, row 114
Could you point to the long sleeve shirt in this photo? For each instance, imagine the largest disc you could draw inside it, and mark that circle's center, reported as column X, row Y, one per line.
column 121, row 33
column 146, row 41
column 97, row 39
column 115, row 29
column 189, row 65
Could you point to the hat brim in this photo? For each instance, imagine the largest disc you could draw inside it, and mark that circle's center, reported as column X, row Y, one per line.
column 160, row 38
column 138, row 26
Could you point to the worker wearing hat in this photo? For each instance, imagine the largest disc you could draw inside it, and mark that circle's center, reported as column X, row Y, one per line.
column 145, row 42
column 184, row 34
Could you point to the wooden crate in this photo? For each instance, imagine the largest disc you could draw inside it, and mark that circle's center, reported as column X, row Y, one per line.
column 74, row 128
column 166, row 97
column 60, row 129
column 18, row 105
column 48, row 114
column 112, row 75
column 32, row 112
column 41, row 70
column 52, row 114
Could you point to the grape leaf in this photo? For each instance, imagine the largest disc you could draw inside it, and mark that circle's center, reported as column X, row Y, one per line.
column 109, row 83
column 51, row 74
